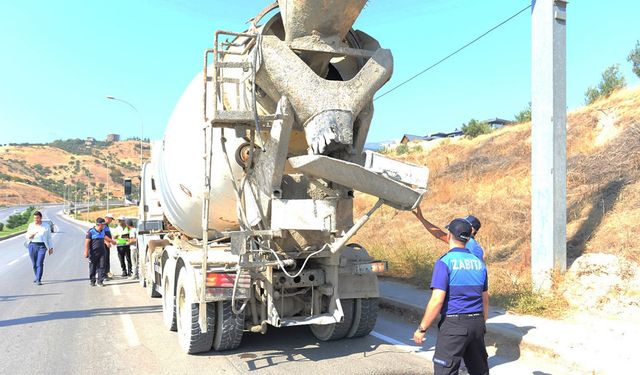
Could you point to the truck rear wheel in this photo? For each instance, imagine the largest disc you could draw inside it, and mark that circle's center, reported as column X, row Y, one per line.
column 228, row 327
column 190, row 338
column 364, row 317
column 336, row 331
column 168, row 305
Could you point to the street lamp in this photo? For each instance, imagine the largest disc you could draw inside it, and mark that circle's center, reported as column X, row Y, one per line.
column 141, row 123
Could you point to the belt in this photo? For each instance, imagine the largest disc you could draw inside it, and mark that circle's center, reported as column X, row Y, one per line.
column 464, row 316
column 38, row 243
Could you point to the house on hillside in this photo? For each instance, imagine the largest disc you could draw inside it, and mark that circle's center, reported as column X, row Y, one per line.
column 498, row 123
column 407, row 138
column 113, row 137
column 89, row 141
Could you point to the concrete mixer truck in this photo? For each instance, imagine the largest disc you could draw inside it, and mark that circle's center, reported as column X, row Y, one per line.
column 246, row 206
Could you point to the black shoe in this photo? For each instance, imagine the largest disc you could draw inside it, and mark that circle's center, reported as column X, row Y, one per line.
column 100, row 284
column 124, row 274
column 39, row 283
column 93, row 283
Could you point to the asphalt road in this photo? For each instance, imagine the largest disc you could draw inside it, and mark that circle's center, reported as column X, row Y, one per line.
column 8, row 211
column 65, row 326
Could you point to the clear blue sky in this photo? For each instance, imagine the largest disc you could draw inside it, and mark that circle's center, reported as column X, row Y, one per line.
column 61, row 58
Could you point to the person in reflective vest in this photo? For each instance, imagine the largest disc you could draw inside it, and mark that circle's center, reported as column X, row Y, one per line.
column 121, row 235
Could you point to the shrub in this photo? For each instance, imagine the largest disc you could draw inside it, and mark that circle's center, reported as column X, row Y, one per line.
column 475, row 128
column 402, row 149
column 1, row 226
column 634, row 59
column 524, row 115
column 612, row 80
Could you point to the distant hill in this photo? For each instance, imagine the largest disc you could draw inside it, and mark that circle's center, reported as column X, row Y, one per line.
column 41, row 173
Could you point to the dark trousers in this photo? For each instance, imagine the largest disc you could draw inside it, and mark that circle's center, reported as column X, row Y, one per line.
column 96, row 266
column 461, row 337
column 124, row 252
column 107, row 259
column 37, row 251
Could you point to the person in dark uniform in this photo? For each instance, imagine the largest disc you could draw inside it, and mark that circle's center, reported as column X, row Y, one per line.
column 108, row 218
column 459, row 295
column 95, row 246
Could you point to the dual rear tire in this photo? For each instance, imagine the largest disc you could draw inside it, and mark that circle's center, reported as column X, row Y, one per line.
column 224, row 328
column 360, row 315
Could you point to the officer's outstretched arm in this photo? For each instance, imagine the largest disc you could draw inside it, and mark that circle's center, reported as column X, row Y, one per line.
column 434, row 230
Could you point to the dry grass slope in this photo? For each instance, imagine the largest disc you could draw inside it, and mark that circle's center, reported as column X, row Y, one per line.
column 29, row 167
column 489, row 177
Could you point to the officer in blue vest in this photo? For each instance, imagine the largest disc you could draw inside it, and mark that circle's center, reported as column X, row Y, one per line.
column 95, row 246
column 459, row 295
column 472, row 245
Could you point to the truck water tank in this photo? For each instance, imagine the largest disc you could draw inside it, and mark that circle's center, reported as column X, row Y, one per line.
column 180, row 168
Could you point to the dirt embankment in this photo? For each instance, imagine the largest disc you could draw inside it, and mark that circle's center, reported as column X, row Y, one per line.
column 489, row 176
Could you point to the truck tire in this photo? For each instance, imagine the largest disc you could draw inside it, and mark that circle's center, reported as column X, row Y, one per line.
column 190, row 338
column 336, row 331
column 168, row 305
column 365, row 316
column 229, row 326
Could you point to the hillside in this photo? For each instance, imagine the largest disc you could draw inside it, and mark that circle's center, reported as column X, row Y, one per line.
column 40, row 173
column 489, row 176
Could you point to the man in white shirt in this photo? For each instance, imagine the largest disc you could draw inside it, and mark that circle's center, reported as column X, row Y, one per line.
column 39, row 237
column 133, row 244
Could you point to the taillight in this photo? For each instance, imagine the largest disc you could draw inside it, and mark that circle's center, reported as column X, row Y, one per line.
column 220, row 280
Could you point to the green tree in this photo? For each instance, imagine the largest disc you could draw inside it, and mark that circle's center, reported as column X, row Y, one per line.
column 524, row 115
column 612, row 80
column 634, row 59
column 475, row 128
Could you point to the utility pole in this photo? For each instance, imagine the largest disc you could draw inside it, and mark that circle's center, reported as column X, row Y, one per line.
column 548, row 141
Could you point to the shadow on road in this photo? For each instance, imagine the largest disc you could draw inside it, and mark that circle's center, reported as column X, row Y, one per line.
column 13, row 298
column 507, row 350
column 79, row 314
column 65, row 281
column 295, row 344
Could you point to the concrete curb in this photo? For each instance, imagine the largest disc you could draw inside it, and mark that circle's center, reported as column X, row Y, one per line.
column 13, row 235
column 508, row 339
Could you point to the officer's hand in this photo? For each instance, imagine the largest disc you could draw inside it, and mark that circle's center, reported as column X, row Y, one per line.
column 51, row 251
column 418, row 337
column 86, row 254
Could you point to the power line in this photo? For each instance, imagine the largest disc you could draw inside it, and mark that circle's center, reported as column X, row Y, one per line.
column 452, row 53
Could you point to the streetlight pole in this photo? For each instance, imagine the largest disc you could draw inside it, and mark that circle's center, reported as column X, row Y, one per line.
column 141, row 123
column 107, row 164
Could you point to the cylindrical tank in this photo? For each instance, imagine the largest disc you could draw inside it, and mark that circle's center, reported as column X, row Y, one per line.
column 180, row 169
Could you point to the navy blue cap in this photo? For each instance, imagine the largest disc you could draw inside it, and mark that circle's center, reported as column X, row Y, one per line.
column 460, row 229
column 475, row 223
column 100, row 221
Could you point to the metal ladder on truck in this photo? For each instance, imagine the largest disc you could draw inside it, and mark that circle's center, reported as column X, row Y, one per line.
column 242, row 118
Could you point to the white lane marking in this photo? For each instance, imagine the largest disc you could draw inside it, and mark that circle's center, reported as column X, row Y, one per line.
column 130, row 330
column 116, row 290
column 417, row 350
column 16, row 260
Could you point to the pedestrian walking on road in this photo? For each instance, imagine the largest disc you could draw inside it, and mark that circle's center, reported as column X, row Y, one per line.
column 121, row 236
column 472, row 245
column 39, row 241
column 108, row 218
column 133, row 245
column 459, row 294
column 95, row 247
